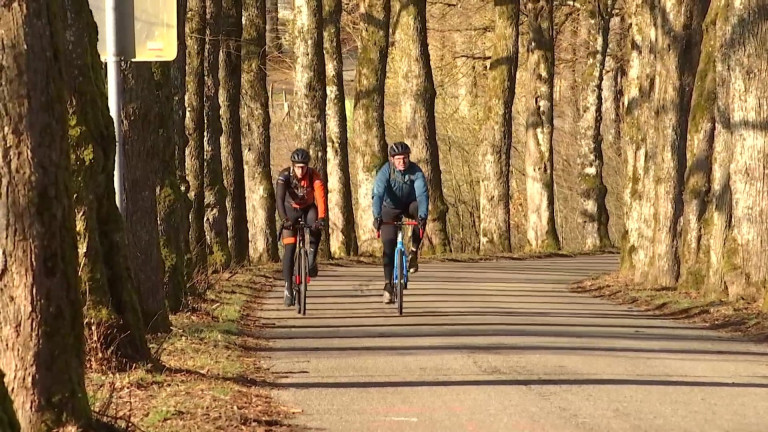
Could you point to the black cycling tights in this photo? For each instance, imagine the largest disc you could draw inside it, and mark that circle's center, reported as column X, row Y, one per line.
column 389, row 235
column 289, row 237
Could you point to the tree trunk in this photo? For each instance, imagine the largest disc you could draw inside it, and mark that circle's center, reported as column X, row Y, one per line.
column 343, row 239
column 746, row 62
column 594, row 214
column 219, row 255
column 495, row 150
column 231, row 139
column 672, row 97
column 638, row 114
column 274, row 42
column 171, row 201
column 195, row 129
column 698, row 178
column 369, row 145
column 142, row 137
column 42, row 340
column 542, row 233
column 8, row 420
column 718, row 216
column 259, row 192
column 418, row 115
column 112, row 315
column 310, row 88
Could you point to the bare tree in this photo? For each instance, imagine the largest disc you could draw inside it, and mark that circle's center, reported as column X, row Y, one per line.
column 260, row 194
column 142, row 138
column 41, row 342
column 700, row 148
column 174, row 205
column 274, row 41
column 418, row 113
column 231, row 139
column 369, row 145
column 310, row 87
column 195, row 128
column 343, row 239
column 746, row 64
column 497, row 142
column 542, row 233
column 112, row 314
column 219, row 255
column 595, row 29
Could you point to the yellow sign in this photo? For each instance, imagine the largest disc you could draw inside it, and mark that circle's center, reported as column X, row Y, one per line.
column 146, row 29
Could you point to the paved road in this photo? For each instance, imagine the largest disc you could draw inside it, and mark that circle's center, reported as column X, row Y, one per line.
column 504, row 346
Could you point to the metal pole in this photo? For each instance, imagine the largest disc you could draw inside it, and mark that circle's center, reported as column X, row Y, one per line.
column 115, row 94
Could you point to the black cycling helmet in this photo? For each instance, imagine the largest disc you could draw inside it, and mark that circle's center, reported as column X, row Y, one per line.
column 300, row 156
column 399, row 148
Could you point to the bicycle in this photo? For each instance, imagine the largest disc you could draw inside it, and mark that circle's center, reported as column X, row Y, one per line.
column 400, row 272
column 301, row 277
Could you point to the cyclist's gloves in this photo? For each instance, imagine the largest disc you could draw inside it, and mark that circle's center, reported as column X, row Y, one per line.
column 287, row 224
column 320, row 223
column 422, row 224
column 377, row 223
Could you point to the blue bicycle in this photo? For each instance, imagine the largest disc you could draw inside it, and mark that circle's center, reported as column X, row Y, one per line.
column 400, row 273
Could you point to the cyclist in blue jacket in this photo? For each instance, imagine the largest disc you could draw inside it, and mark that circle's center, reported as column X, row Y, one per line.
column 400, row 189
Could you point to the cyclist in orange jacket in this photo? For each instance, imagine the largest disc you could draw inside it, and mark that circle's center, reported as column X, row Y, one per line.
column 300, row 192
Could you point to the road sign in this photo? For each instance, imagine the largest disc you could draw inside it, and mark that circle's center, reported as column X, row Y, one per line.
column 146, row 29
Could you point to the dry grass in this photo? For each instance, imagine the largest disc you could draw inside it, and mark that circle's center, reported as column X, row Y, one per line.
column 733, row 317
column 209, row 376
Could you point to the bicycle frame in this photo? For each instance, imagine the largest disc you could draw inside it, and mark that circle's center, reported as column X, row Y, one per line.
column 400, row 272
column 301, row 277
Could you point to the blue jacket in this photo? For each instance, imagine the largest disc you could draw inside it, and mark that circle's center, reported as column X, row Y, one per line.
column 398, row 189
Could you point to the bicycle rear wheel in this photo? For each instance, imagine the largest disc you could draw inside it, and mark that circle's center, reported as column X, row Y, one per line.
column 304, row 280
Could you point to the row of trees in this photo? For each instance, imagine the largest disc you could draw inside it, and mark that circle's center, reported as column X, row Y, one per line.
column 199, row 194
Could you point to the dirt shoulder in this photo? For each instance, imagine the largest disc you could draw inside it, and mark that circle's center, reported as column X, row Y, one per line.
column 737, row 318
column 210, row 375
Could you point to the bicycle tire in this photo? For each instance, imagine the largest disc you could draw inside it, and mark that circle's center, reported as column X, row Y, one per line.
column 296, row 283
column 304, row 280
column 402, row 268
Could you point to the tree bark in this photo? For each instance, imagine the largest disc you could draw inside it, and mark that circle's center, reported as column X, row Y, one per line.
column 260, row 194
column 41, row 323
column 542, row 233
column 231, row 139
column 495, row 152
column 594, row 214
column 418, row 115
column 310, row 88
column 171, row 201
column 638, row 114
column 274, row 42
column 113, row 321
column 219, row 255
column 343, row 239
column 746, row 62
column 8, row 420
column 142, row 137
column 369, row 145
column 698, row 178
column 195, row 129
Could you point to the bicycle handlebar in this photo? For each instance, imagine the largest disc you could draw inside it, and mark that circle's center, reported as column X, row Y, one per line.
column 405, row 223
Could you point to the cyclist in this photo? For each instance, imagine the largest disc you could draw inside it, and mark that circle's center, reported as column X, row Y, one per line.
column 400, row 189
column 300, row 192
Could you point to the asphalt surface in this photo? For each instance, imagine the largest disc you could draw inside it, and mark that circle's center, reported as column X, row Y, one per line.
column 503, row 346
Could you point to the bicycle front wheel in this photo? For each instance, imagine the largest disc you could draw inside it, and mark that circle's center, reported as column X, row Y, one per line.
column 403, row 270
column 304, row 280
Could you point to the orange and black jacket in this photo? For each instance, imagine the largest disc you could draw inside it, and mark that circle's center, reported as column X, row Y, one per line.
column 301, row 193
